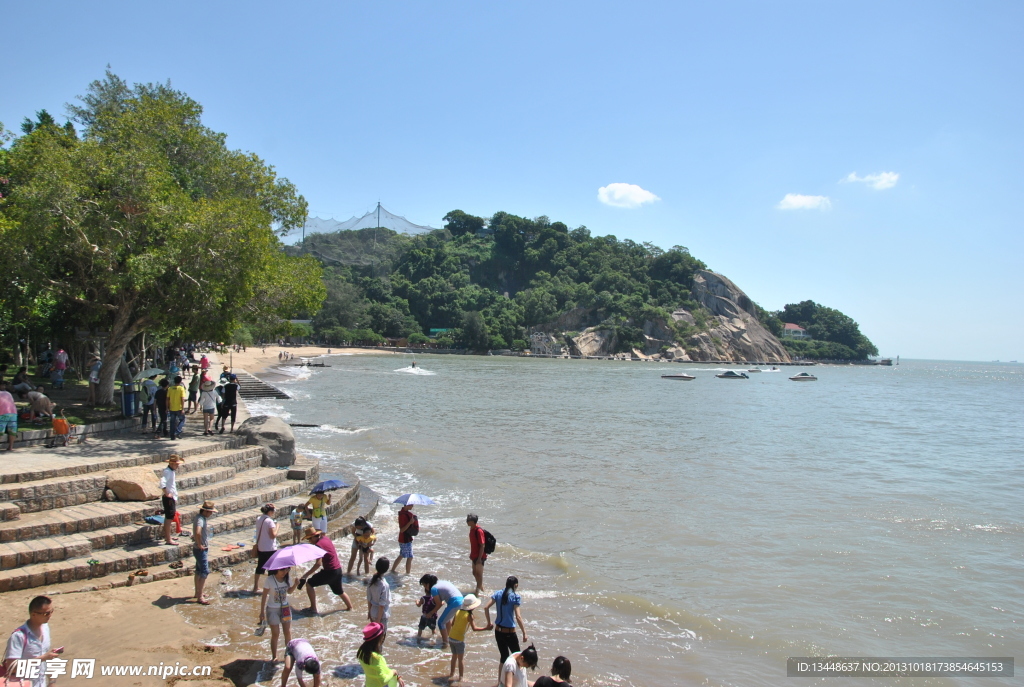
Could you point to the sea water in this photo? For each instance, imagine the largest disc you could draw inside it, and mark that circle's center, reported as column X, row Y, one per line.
column 688, row 532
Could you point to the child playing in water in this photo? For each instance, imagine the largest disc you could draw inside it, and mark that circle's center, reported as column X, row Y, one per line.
column 428, row 616
column 296, row 519
column 365, row 540
column 457, row 636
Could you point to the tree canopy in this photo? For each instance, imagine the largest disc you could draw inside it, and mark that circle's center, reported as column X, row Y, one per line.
column 489, row 280
column 148, row 221
column 826, row 326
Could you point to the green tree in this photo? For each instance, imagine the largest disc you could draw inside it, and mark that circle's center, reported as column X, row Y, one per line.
column 828, row 324
column 460, row 223
column 149, row 221
column 473, row 332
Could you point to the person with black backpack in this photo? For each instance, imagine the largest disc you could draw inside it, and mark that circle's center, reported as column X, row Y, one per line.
column 478, row 544
column 408, row 527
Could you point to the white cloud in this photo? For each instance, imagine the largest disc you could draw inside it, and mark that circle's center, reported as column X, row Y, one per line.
column 879, row 182
column 625, row 195
column 796, row 201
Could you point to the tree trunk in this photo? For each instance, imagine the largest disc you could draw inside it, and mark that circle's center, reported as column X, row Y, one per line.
column 122, row 331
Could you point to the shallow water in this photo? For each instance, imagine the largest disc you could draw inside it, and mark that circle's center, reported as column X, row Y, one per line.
column 697, row 532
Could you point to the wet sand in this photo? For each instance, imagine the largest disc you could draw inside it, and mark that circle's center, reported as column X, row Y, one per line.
column 135, row 625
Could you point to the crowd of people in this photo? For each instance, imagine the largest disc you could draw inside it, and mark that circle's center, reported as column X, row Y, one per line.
column 443, row 608
column 167, row 403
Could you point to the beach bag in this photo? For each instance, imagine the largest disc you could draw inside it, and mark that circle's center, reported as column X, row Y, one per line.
column 413, row 529
column 254, row 552
column 489, row 542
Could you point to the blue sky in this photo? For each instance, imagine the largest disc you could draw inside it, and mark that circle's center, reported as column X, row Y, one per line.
column 718, row 111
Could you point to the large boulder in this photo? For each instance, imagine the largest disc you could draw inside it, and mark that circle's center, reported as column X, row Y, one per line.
column 134, row 484
column 595, row 342
column 274, row 435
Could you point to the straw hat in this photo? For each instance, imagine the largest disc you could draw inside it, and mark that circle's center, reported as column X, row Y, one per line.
column 208, row 505
column 208, row 385
column 176, row 459
column 372, row 631
column 310, row 532
column 469, row 602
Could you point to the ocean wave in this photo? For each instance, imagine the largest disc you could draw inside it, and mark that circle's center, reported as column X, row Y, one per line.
column 415, row 371
column 344, row 430
column 296, row 372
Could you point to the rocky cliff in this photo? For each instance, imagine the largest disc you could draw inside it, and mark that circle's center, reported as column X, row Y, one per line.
column 734, row 331
column 738, row 335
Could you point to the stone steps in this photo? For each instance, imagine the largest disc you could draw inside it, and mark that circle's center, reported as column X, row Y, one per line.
column 231, row 530
column 101, row 456
column 238, row 512
column 253, row 387
column 55, row 527
column 99, row 515
column 66, row 491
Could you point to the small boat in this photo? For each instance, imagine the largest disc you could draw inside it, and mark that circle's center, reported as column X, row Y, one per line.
column 730, row 374
column 804, row 377
column 755, row 369
column 679, row 377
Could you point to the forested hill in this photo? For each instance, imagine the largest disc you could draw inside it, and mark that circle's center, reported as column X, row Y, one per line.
column 489, row 281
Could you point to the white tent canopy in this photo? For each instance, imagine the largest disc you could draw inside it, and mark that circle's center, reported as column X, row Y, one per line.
column 378, row 217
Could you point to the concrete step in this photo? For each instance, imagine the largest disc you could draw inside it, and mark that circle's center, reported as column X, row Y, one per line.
column 129, row 558
column 250, row 386
column 102, row 514
column 9, row 511
column 242, row 513
column 35, row 464
column 64, row 492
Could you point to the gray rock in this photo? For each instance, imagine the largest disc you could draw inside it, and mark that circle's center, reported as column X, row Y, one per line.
column 596, row 342
column 274, row 435
column 109, row 495
column 738, row 335
column 684, row 315
column 134, row 484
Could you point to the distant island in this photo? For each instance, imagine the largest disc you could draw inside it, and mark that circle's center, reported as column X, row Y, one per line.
column 515, row 283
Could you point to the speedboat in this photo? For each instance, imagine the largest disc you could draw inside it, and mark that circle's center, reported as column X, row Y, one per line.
column 755, row 369
column 680, row 377
column 731, row 374
column 804, row 377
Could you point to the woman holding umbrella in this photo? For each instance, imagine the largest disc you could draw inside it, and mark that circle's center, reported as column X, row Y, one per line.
column 408, row 527
column 274, row 607
column 318, row 501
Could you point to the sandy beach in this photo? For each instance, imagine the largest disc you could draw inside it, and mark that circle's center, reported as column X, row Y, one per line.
column 135, row 625
column 255, row 361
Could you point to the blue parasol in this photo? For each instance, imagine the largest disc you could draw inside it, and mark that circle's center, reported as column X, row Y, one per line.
column 329, row 485
column 414, row 500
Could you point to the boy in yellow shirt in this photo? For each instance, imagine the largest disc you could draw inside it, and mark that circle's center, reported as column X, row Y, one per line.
column 176, row 407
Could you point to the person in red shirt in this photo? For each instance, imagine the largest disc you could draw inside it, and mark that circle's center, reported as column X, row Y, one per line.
column 406, row 519
column 330, row 575
column 476, row 550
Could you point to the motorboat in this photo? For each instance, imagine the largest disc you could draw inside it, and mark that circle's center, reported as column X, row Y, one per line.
column 755, row 369
column 732, row 374
column 804, row 377
column 679, row 377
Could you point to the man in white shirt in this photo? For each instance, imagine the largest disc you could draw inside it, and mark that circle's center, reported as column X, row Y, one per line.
column 170, row 497
column 32, row 640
